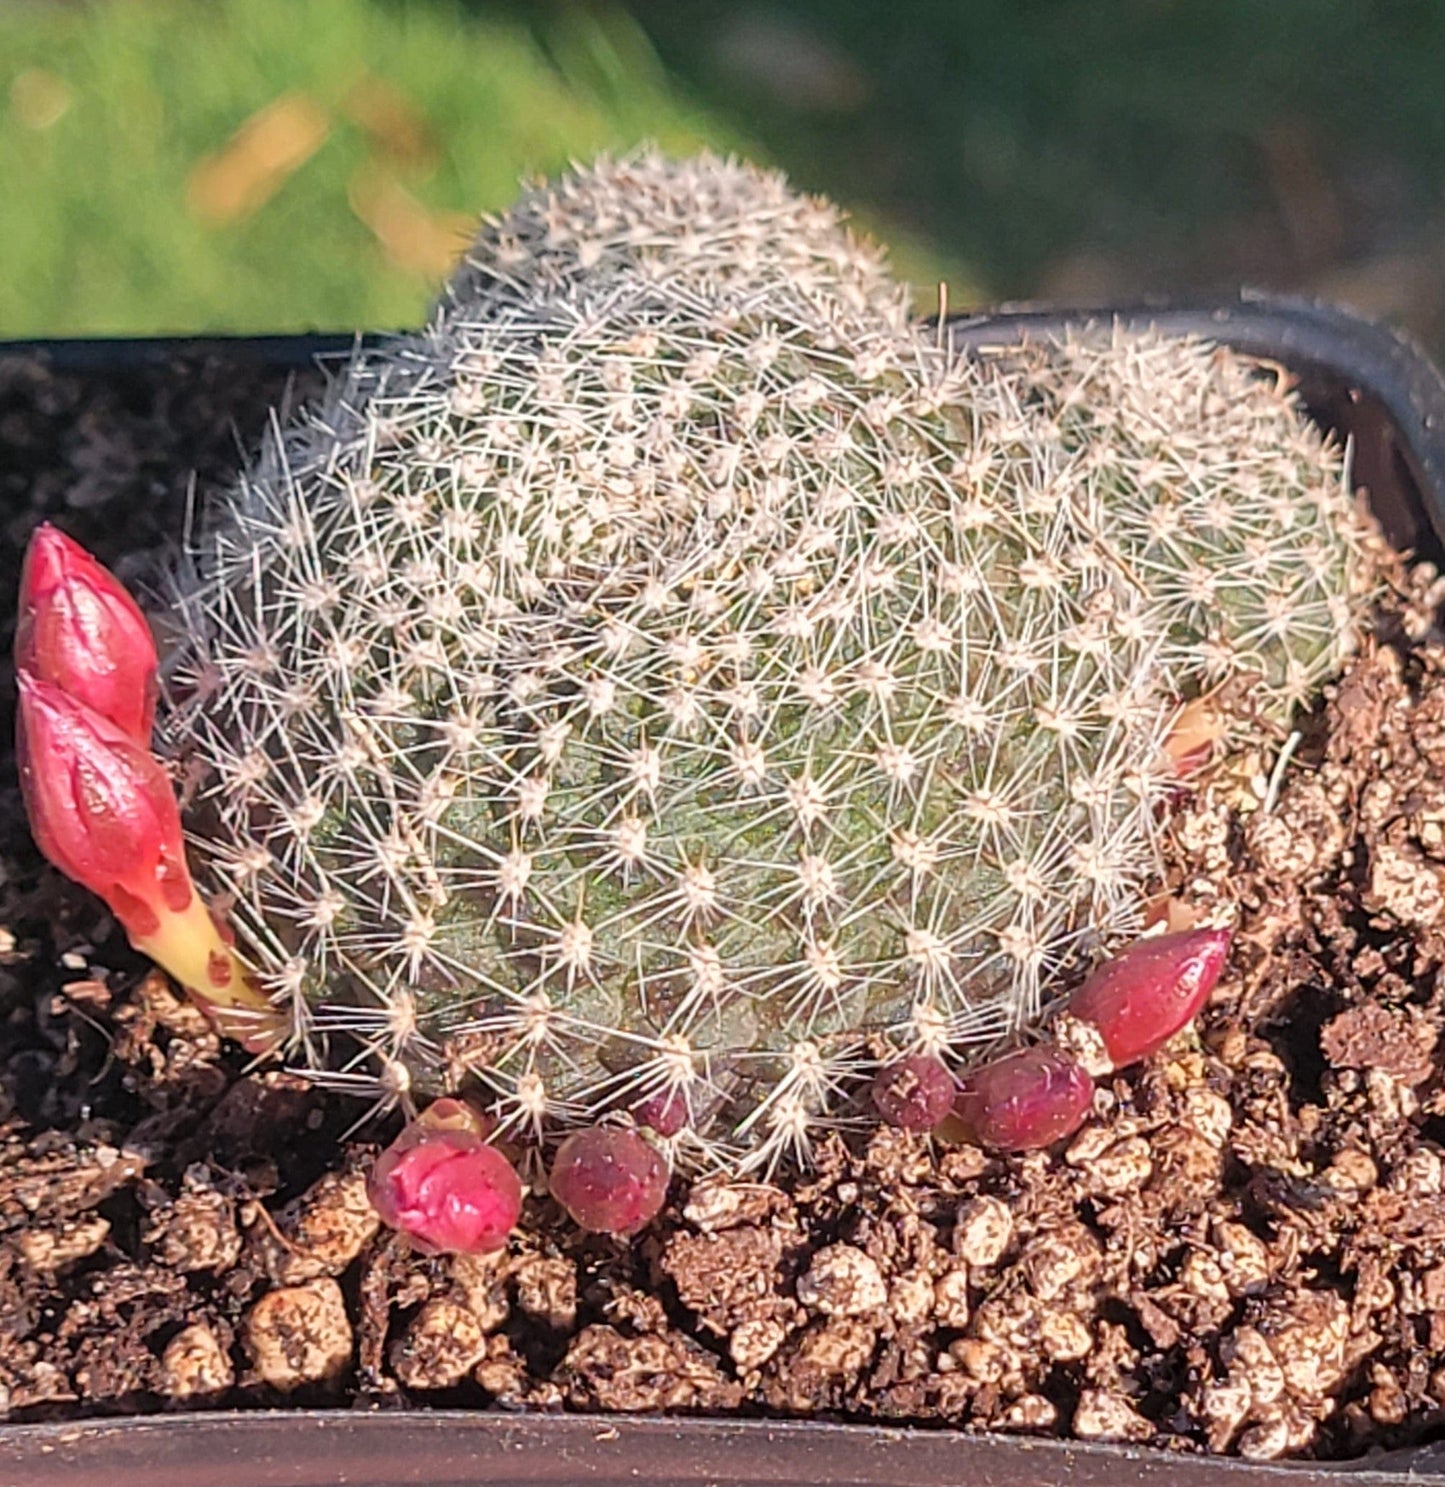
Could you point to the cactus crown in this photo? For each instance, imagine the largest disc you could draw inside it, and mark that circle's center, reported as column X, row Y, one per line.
column 672, row 677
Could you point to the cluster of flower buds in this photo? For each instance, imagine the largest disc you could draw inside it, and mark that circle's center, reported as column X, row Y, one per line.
column 447, row 1189
column 444, row 1187
column 101, row 807
column 1130, row 1007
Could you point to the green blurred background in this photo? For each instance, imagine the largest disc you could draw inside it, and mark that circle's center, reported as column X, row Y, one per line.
column 247, row 165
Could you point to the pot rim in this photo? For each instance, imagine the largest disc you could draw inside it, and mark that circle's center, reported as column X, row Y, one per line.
column 455, row 1448
column 1368, row 382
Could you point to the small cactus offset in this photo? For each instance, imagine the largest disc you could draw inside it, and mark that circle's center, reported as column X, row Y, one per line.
column 673, row 684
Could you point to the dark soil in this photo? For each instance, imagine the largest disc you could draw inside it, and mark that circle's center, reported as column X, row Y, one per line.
column 1247, row 1255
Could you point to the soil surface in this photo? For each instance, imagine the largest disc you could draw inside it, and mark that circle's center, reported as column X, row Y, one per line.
column 1244, row 1253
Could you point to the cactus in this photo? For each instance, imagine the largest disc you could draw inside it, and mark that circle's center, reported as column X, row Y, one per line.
column 728, row 232
column 672, row 679
column 674, row 690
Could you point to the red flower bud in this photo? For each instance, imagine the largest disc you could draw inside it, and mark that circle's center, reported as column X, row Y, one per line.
column 1026, row 1100
column 1138, row 999
column 665, row 1112
column 81, row 631
column 442, row 1186
column 914, row 1093
column 101, row 808
column 610, row 1180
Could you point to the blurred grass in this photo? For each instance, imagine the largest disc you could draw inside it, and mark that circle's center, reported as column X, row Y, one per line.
column 1057, row 148
column 106, row 110
column 1084, row 150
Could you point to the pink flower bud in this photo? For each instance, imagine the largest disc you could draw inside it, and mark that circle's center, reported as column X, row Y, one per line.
column 665, row 1112
column 81, row 631
column 1139, row 999
column 610, row 1180
column 914, row 1093
column 1026, row 1100
column 102, row 810
column 442, row 1186
column 100, row 807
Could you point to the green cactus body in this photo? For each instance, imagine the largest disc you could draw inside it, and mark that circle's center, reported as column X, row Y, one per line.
column 672, row 673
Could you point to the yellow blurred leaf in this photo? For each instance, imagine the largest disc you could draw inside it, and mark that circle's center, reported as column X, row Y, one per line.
column 395, row 125
column 243, row 175
column 411, row 237
column 39, row 98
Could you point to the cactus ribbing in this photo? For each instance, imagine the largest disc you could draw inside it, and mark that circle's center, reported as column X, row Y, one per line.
column 673, row 678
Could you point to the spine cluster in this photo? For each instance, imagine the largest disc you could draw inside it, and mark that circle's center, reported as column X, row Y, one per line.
column 672, row 682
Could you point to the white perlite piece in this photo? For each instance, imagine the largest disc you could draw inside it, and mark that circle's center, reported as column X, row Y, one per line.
column 672, row 670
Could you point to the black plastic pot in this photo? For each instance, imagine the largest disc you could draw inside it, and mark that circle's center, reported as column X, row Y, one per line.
column 1367, row 382
column 1370, row 385
column 452, row 1449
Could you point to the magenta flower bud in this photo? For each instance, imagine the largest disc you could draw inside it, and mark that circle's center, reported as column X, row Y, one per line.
column 79, row 630
column 1137, row 1000
column 442, row 1186
column 101, row 808
column 1026, row 1100
column 914, row 1093
column 665, row 1112
column 610, row 1180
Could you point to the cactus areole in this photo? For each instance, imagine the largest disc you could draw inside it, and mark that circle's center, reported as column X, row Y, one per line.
column 675, row 691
